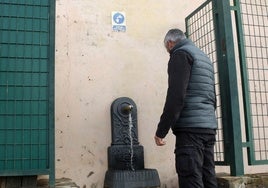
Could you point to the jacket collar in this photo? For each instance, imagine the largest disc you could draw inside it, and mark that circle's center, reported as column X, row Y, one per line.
column 180, row 44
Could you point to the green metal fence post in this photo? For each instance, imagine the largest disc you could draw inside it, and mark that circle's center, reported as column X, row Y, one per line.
column 229, row 88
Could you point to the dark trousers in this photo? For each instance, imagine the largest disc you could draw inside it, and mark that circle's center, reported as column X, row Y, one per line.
column 195, row 160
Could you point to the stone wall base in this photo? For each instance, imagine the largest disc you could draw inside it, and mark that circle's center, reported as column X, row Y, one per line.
column 246, row 181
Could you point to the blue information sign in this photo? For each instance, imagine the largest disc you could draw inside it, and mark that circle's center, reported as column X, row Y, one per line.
column 119, row 21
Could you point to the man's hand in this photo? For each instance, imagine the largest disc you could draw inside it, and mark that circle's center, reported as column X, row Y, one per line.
column 159, row 141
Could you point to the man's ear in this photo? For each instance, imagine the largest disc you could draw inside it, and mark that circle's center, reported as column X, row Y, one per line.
column 171, row 44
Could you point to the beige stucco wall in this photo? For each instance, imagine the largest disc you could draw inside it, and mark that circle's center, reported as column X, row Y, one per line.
column 95, row 65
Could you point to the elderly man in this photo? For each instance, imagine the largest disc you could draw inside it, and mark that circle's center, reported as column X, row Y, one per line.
column 190, row 112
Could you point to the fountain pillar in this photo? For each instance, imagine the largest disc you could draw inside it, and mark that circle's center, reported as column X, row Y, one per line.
column 126, row 155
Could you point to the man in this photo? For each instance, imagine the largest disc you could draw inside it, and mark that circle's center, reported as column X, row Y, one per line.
column 190, row 112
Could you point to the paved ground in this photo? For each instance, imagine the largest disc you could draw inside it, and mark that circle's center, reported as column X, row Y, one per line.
column 224, row 181
column 246, row 181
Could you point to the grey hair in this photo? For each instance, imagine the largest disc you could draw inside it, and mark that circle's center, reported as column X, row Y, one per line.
column 174, row 35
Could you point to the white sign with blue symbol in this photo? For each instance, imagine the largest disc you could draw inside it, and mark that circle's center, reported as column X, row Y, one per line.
column 119, row 21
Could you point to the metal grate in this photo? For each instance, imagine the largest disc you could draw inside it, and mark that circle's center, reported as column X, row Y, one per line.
column 200, row 29
column 24, row 81
column 255, row 26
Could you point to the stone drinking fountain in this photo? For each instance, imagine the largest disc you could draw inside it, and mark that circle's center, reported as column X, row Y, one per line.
column 125, row 155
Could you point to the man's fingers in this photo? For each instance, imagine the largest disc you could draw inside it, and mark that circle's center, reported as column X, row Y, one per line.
column 162, row 142
column 159, row 141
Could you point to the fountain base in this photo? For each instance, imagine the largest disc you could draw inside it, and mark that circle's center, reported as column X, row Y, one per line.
column 119, row 157
column 132, row 179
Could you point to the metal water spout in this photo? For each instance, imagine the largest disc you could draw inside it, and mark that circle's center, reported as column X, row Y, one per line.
column 127, row 109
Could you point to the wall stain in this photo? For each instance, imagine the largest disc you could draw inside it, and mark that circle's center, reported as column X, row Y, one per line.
column 90, row 174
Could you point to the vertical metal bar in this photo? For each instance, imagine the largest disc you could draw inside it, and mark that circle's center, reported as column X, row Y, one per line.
column 229, row 88
column 51, row 96
column 244, row 80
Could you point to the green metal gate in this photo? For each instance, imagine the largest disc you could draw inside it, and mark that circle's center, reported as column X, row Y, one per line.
column 235, row 35
column 252, row 19
column 27, row 88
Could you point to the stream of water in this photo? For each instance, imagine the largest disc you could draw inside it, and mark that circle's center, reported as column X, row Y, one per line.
column 131, row 141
